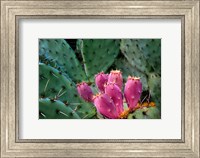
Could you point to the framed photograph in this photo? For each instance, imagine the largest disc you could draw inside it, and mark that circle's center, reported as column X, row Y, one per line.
column 100, row 78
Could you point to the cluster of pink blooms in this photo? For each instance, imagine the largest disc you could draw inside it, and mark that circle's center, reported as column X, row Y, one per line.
column 109, row 101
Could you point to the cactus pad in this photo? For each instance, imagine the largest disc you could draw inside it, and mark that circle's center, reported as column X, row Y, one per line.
column 132, row 52
column 144, row 54
column 55, row 109
column 145, row 113
column 98, row 55
column 151, row 48
column 154, row 82
column 56, row 86
column 60, row 55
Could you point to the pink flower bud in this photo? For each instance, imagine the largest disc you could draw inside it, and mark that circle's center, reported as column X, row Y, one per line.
column 105, row 106
column 85, row 91
column 101, row 79
column 114, row 92
column 132, row 91
column 116, row 77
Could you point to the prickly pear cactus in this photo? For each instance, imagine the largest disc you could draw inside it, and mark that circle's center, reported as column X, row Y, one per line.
column 128, row 70
column 98, row 55
column 63, row 65
column 154, row 83
column 54, row 85
column 151, row 49
column 60, row 55
column 55, row 109
column 143, row 54
column 132, row 52
column 143, row 59
column 145, row 113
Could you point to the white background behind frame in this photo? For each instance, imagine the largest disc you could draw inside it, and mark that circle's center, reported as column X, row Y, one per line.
column 169, row 127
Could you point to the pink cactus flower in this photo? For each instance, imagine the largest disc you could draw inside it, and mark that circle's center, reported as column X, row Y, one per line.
column 85, row 91
column 101, row 79
column 132, row 91
column 114, row 92
column 116, row 77
column 105, row 106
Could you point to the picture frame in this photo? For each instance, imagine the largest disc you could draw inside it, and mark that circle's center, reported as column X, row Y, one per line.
column 13, row 11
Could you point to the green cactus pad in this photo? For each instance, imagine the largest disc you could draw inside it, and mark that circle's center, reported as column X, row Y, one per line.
column 79, row 46
column 98, row 55
column 55, row 109
column 151, row 48
column 154, row 82
column 138, row 114
column 145, row 113
column 144, row 54
column 131, row 50
column 54, row 85
column 51, row 82
column 128, row 70
column 60, row 55
column 153, row 113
